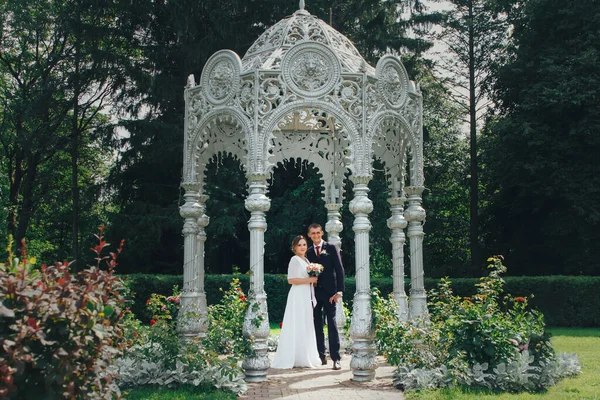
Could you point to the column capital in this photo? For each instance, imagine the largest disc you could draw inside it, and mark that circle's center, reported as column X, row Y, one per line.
column 397, row 201
column 191, row 186
column 257, row 178
column 414, row 191
column 361, row 179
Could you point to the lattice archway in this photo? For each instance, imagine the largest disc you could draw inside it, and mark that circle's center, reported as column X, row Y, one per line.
column 303, row 91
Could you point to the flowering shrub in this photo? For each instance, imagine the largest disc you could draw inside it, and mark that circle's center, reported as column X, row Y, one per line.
column 159, row 358
column 480, row 341
column 60, row 333
column 225, row 323
column 483, row 328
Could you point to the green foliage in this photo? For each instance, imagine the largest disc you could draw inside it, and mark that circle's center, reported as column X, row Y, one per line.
column 484, row 328
column 225, row 323
column 60, row 333
column 541, row 148
column 564, row 300
column 158, row 357
column 478, row 341
column 446, row 249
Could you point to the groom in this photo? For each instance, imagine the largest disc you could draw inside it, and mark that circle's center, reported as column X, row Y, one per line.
column 328, row 291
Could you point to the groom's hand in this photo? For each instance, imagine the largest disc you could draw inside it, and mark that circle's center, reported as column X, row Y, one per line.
column 334, row 298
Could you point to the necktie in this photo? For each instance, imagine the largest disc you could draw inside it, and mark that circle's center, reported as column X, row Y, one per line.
column 318, row 251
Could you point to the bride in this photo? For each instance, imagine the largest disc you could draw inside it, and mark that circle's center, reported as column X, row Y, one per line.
column 297, row 342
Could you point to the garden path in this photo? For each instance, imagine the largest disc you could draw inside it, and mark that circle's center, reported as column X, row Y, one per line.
column 325, row 383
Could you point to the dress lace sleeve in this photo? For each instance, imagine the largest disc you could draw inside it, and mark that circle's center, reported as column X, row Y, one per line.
column 295, row 268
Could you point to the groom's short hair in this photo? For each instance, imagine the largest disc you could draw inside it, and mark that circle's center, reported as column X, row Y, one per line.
column 314, row 226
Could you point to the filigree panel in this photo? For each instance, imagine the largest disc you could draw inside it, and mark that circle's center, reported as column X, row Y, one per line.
column 221, row 77
column 268, row 50
column 388, row 127
column 392, row 81
column 373, row 102
column 316, row 137
column 310, row 70
column 196, row 107
column 246, row 97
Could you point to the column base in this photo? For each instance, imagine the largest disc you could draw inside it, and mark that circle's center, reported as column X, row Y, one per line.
column 363, row 362
column 255, row 368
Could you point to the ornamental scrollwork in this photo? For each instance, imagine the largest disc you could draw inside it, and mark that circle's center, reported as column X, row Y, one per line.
column 349, row 97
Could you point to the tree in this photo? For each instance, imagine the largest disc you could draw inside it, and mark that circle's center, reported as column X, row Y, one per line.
column 446, row 249
column 62, row 61
column 542, row 147
column 474, row 33
column 32, row 52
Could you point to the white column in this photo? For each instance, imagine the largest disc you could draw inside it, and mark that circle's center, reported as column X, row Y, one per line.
column 256, row 322
column 415, row 215
column 397, row 224
column 361, row 330
column 193, row 320
column 333, row 227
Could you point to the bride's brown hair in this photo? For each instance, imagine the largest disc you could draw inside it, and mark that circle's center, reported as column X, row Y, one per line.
column 295, row 242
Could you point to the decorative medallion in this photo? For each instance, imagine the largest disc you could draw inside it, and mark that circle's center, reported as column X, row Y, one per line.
column 310, row 69
column 221, row 77
column 392, row 81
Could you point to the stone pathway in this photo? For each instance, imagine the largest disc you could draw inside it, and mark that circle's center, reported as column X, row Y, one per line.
column 324, row 383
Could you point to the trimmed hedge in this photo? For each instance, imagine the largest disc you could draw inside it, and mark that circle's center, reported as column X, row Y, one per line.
column 564, row 300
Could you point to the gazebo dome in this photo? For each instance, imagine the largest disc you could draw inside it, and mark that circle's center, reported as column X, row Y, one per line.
column 267, row 51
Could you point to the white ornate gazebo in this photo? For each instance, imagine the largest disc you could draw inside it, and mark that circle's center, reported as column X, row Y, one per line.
column 303, row 91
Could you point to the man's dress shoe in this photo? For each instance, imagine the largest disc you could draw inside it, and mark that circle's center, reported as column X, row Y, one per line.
column 337, row 365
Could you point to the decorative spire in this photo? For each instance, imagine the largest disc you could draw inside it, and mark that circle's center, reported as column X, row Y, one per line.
column 302, row 5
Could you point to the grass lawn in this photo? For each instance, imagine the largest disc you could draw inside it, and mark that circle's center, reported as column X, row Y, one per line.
column 179, row 393
column 585, row 342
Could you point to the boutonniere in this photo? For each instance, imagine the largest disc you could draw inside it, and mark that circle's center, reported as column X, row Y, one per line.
column 324, row 252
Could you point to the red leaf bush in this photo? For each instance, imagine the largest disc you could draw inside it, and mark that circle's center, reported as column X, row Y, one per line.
column 59, row 333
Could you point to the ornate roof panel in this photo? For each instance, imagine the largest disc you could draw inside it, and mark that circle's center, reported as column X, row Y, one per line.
column 267, row 51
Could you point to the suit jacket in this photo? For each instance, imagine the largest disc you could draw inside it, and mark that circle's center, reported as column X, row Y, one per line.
column 331, row 280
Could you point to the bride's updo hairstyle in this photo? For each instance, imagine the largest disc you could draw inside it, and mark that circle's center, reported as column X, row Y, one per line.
column 295, row 242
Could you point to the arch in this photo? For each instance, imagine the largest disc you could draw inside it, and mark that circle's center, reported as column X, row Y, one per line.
column 263, row 144
column 195, row 160
column 416, row 172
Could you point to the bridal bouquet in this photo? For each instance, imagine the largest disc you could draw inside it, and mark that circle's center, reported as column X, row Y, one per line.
column 314, row 269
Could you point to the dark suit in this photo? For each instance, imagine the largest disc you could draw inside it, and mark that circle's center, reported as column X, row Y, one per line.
column 331, row 281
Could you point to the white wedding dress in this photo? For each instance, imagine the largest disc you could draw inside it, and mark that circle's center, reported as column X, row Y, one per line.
column 297, row 343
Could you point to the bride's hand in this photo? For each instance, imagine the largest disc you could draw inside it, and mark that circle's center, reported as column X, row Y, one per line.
column 313, row 279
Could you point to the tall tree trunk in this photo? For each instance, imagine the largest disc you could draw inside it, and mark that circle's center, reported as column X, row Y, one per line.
column 473, row 226
column 15, row 181
column 28, row 203
column 75, row 149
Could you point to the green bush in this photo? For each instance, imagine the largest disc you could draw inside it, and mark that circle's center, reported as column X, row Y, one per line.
column 158, row 358
column 60, row 333
column 225, row 322
column 485, row 340
column 564, row 300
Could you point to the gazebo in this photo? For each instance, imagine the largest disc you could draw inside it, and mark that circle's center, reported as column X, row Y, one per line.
column 303, row 91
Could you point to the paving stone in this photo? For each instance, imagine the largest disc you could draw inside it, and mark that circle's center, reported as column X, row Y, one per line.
column 324, row 383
